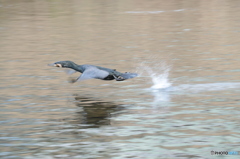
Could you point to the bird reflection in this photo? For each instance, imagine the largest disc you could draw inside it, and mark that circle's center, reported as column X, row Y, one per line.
column 95, row 113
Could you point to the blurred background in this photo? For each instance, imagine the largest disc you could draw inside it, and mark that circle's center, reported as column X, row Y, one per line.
column 184, row 103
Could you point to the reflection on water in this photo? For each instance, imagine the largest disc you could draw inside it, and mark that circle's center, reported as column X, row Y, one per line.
column 94, row 113
column 184, row 104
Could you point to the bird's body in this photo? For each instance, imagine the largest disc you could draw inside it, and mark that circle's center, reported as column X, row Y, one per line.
column 92, row 71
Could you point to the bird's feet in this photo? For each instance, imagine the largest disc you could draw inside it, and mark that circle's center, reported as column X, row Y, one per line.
column 119, row 78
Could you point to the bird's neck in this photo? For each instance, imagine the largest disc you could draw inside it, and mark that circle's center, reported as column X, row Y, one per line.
column 77, row 67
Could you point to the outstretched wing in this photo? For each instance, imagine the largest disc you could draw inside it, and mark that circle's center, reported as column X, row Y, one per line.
column 93, row 73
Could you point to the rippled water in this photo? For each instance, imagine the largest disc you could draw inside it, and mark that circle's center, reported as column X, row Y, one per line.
column 184, row 104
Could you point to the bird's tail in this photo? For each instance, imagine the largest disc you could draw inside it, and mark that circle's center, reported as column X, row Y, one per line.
column 128, row 75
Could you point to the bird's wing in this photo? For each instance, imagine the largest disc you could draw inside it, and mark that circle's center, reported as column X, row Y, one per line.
column 93, row 73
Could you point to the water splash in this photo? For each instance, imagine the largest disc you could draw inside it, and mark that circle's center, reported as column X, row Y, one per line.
column 161, row 81
column 159, row 75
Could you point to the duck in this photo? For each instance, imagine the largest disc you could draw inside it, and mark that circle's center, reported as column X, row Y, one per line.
column 93, row 72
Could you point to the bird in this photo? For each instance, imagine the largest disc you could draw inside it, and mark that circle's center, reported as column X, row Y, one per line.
column 92, row 71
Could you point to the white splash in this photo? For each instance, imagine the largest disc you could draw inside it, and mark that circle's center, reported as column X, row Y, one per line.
column 161, row 81
column 159, row 75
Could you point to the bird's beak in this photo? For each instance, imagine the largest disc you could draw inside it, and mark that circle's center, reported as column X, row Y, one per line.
column 58, row 65
column 55, row 65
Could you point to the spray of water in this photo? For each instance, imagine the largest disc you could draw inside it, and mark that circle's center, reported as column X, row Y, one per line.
column 159, row 74
column 161, row 81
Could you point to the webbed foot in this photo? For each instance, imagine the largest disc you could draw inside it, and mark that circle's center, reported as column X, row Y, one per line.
column 118, row 78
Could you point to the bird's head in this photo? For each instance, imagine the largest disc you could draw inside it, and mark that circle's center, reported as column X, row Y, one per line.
column 63, row 64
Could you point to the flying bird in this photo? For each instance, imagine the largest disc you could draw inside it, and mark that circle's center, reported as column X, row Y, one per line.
column 92, row 71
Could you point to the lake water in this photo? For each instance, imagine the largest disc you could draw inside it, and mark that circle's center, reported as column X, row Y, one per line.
column 184, row 103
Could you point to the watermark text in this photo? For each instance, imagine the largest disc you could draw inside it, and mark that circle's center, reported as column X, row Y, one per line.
column 225, row 152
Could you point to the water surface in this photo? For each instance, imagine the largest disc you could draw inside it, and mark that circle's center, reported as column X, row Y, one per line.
column 184, row 104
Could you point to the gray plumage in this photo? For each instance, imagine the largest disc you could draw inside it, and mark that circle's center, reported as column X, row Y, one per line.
column 92, row 71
